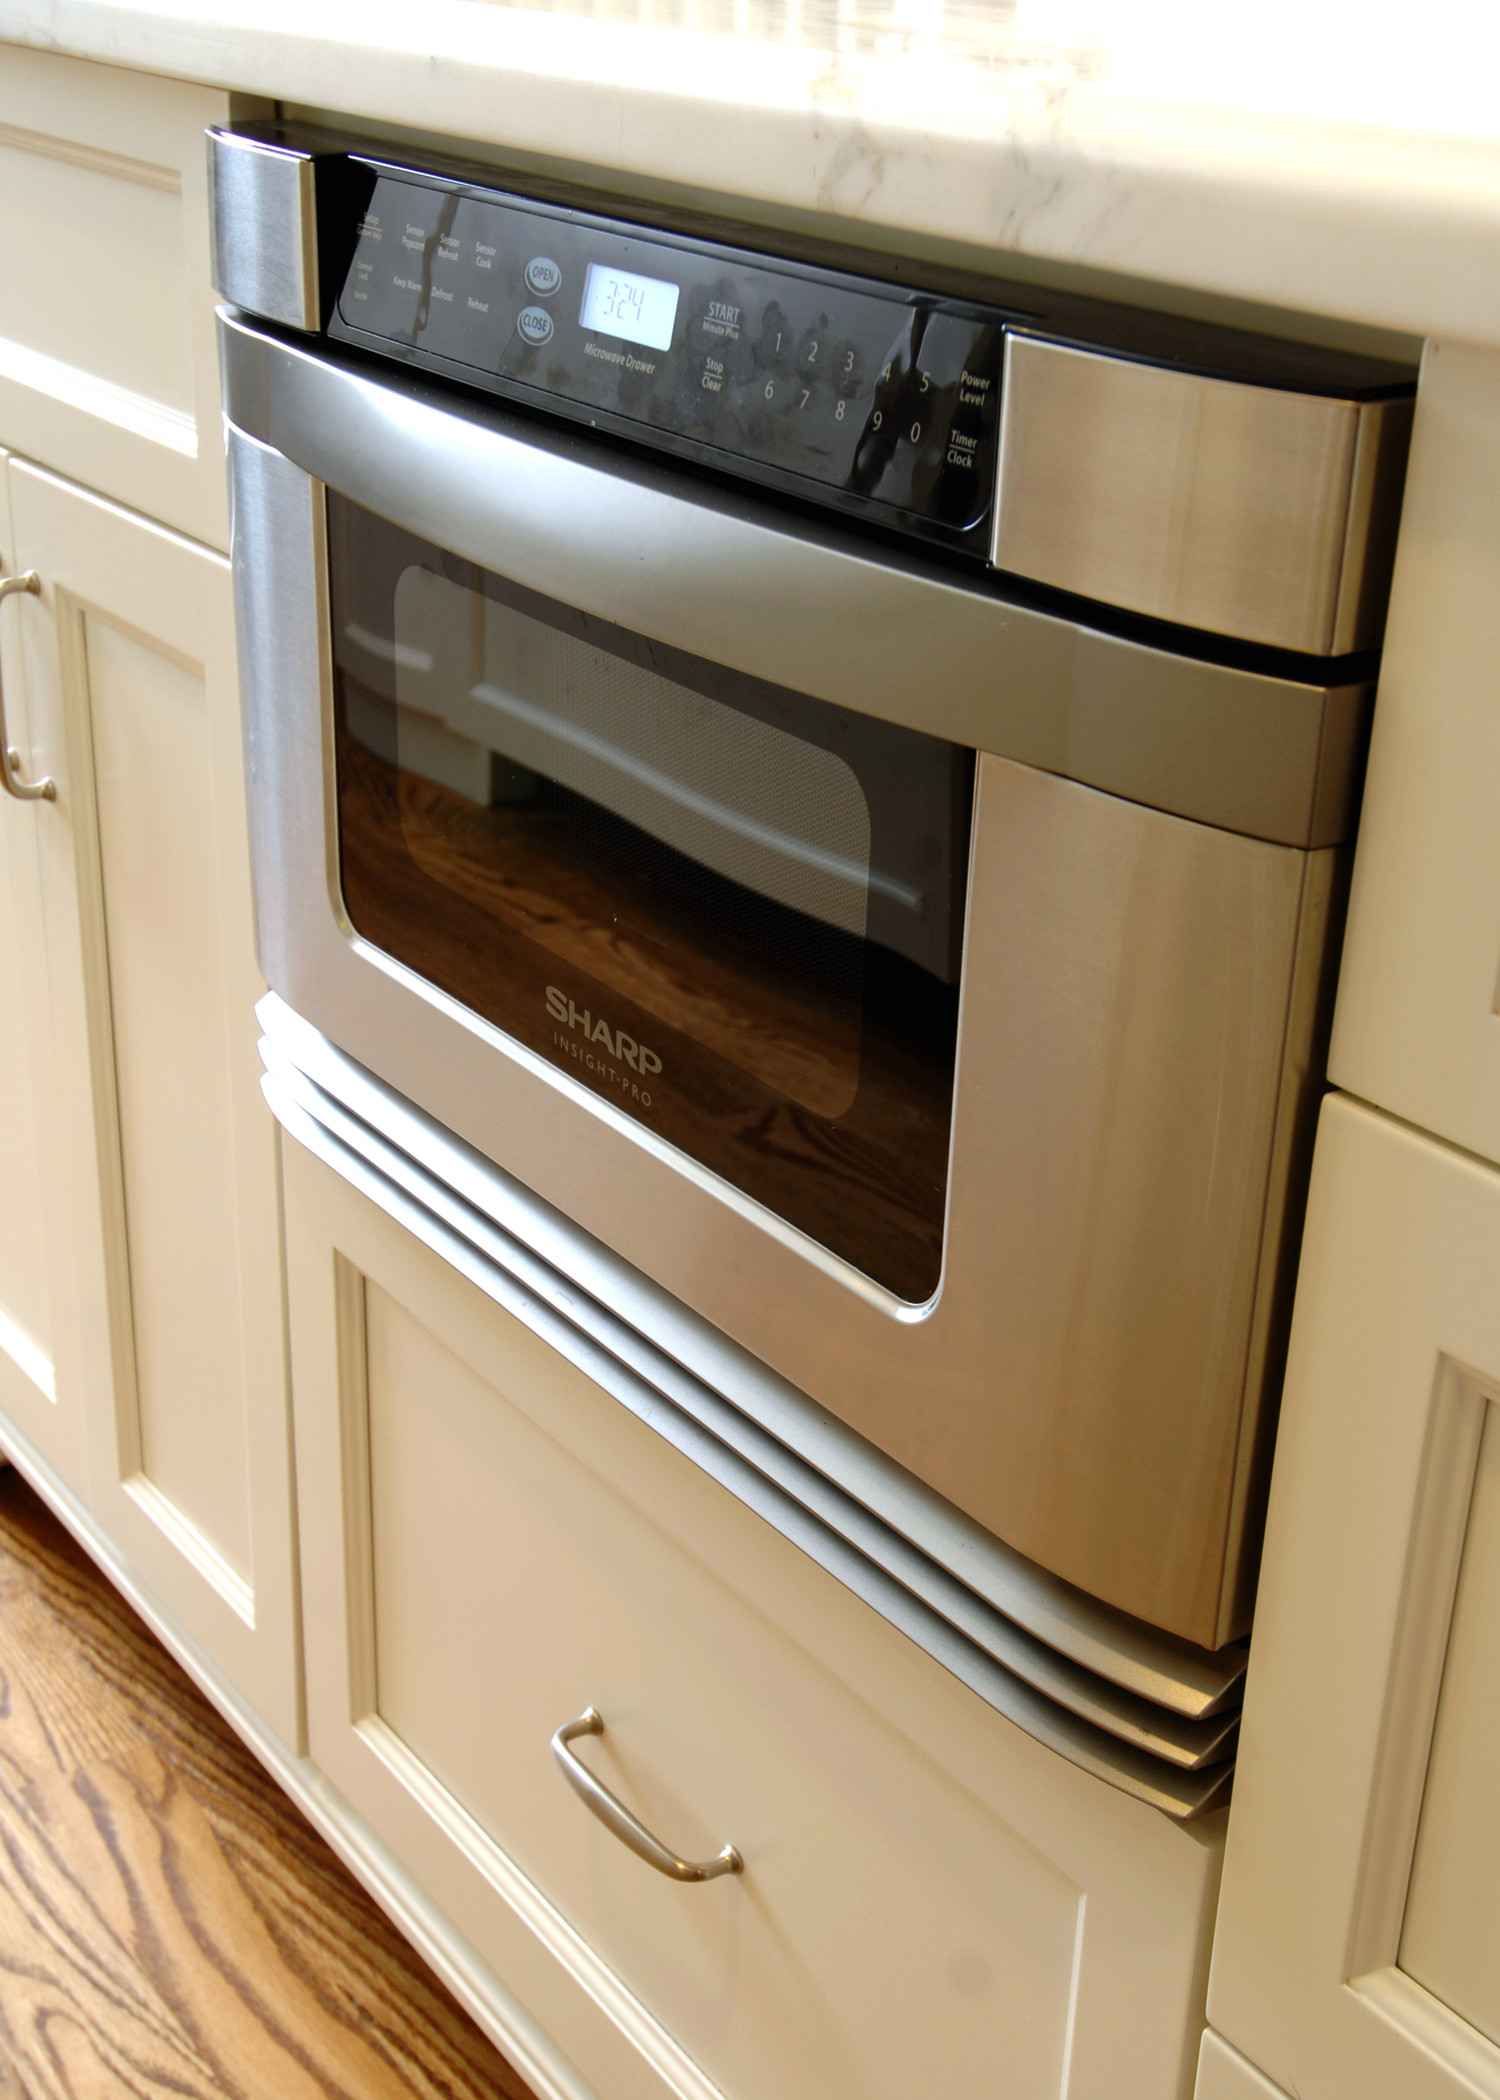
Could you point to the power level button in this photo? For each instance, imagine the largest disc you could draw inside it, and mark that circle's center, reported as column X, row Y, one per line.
column 543, row 276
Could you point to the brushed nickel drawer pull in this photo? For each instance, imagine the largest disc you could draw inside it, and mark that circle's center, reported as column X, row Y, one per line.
column 615, row 1816
column 14, row 779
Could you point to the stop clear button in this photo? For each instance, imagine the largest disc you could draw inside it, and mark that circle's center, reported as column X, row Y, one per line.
column 543, row 276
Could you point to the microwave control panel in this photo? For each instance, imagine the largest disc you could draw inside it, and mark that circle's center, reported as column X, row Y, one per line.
column 885, row 400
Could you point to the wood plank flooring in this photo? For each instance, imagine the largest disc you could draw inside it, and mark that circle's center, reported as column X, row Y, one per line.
column 170, row 1924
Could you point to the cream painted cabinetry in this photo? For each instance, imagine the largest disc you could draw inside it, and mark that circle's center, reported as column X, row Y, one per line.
column 1223, row 2074
column 1417, row 1026
column 1359, row 1936
column 108, row 365
column 1358, row 1947
column 141, row 1329
column 34, row 1304
column 153, row 1152
column 492, row 1543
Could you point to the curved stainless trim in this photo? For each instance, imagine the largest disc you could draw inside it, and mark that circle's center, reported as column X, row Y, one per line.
column 263, row 227
column 1061, row 1641
column 1177, row 1791
column 724, row 576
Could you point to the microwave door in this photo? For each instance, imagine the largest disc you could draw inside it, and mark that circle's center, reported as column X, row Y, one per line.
column 732, row 911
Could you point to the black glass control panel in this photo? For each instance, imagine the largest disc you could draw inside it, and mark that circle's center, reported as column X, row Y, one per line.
column 886, row 400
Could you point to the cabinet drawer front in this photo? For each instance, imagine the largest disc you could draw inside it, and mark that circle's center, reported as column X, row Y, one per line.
column 885, row 1929
column 515, row 1547
column 108, row 369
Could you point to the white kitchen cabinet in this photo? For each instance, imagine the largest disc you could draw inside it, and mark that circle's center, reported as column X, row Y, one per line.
column 1357, row 1942
column 161, row 1162
column 34, row 1301
column 1417, row 1030
column 108, row 364
column 492, row 1543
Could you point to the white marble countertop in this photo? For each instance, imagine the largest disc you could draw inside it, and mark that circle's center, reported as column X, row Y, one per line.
column 1306, row 154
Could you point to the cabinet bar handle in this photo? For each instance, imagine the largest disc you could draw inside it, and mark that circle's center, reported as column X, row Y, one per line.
column 615, row 1816
column 15, row 780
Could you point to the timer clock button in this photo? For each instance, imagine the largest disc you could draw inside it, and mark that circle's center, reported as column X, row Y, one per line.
column 543, row 277
column 534, row 325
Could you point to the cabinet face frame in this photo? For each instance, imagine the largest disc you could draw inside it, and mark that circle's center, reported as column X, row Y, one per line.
column 172, row 600
column 1395, row 1358
column 1148, row 1883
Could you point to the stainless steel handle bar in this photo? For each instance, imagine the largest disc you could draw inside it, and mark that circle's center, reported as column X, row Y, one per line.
column 732, row 579
column 15, row 780
column 616, row 1817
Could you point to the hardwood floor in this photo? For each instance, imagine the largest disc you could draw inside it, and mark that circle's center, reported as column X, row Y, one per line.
column 169, row 1922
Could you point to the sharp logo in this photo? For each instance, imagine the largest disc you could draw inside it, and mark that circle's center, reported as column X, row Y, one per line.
column 595, row 1029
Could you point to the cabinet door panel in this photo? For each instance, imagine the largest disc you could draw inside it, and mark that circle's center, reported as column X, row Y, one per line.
column 32, row 1218
column 153, row 770
column 170, row 1160
column 1354, row 1953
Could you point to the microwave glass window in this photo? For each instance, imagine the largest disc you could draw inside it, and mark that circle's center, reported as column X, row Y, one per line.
column 734, row 911
column 696, row 832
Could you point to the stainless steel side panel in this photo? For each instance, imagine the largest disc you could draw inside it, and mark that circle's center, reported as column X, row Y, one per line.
column 278, row 543
column 727, row 578
column 1252, row 511
column 1084, row 1379
column 263, row 227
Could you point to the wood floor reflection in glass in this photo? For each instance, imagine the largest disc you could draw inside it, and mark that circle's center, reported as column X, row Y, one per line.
column 734, row 910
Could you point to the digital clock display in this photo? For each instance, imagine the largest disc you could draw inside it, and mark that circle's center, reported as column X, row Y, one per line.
column 638, row 309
